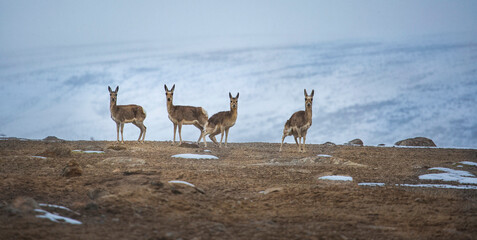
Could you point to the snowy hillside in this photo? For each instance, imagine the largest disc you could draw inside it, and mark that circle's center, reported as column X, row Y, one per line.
column 379, row 92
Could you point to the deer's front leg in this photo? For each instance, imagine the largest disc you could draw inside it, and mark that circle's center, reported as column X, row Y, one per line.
column 122, row 128
column 180, row 133
column 175, row 128
column 226, row 135
column 117, row 131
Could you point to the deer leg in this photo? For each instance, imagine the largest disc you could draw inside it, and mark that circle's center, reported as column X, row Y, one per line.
column 143, row 133
column 122, row 128
column 297, row 139
column 180, row 134
column 221, row 136
column 141, row 127
column 202, row 135
column 174, row 140
column 300, row 144
column 212, row 137
column 201, row 130
column 117, row 130
column 304, row 139
column 226, row 135
column 283, row 138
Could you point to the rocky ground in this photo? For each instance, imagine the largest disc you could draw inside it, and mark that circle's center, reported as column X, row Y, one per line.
column 252, row 191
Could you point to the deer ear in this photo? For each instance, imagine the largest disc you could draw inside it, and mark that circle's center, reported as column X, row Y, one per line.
column 237, row 95
column 172, row 89
column 109, row 88
column 117, row 89
column 312, row 92
column 306, row 94
column 165, row 88
column 230, row 95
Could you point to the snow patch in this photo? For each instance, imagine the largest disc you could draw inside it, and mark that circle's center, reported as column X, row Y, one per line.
column 438, row 186
column 88, row 151
column 56, row 206
column 469, row 163
column 194, row 156
column 371, row 184
column 182, row 182
column 323, row 155
column 55, row 217
column 450, row 175
column 337, row 178
column 40, row 157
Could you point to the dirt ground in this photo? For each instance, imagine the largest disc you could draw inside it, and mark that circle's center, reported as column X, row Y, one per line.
column 251, row 191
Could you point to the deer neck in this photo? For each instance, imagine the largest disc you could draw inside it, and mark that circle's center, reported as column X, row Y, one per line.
column 112, row 106
column 234, row 113
column 308, row 113
column 170, row 107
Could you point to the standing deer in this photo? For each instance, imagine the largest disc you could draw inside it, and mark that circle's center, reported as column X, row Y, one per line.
column 122, row 114
column 299, row 123
column 184, row 115
column 221, row 122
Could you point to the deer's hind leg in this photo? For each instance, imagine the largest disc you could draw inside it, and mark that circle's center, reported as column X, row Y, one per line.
column 213, row 133
column 197, row 125
column 141, row 127
column 212, row 137
column 285, row 134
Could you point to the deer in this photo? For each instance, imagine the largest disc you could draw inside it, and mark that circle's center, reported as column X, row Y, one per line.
column 122, row 114
column 221, row 122
column 299, row 123
column 184, row 115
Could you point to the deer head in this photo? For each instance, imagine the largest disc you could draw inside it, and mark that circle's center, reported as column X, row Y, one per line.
column 233, row 101
column 169, row 93
column 113, row 95
column 309, row 98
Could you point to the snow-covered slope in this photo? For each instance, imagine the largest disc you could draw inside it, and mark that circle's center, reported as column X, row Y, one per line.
column 380, row 92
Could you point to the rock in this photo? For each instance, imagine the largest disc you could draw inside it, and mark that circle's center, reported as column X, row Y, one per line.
column 381, row 145
column 56, row 151
column 189, row 145
column 22, row 205
column 329, row 144
column 417, row 141
column 52, row 139
column 355, row 142
column 73, row 169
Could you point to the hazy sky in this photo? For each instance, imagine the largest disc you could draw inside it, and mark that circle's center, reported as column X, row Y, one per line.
column 32, row 23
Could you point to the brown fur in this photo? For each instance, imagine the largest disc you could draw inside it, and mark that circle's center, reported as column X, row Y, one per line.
column 184, row 115
column 299, row 123
column 221, row 122
column 122, row 114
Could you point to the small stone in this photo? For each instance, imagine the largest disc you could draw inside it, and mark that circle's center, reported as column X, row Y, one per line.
column 22, row 205
column 73, row 169
column 355, row 142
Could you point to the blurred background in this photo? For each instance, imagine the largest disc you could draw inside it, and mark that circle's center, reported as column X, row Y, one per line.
column 382, row 71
